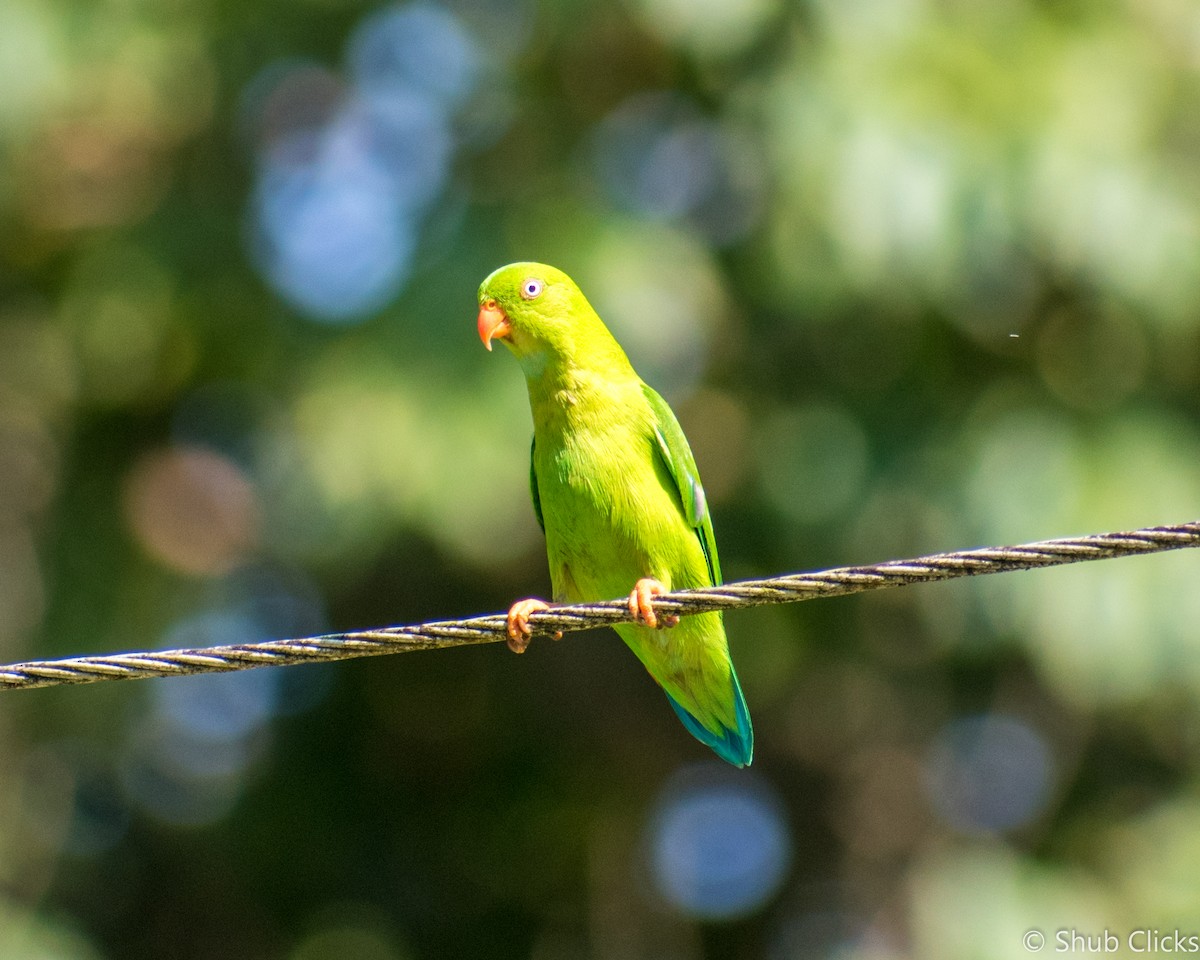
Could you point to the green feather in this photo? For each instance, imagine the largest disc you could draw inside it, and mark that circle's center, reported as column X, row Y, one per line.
column 533, row 487
column 616, row 490
column 677, row 456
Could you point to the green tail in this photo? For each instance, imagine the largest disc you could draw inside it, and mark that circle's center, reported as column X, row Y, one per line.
column 734, row 745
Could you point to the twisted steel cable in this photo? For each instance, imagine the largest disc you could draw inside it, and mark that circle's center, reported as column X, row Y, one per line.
column 451, row 633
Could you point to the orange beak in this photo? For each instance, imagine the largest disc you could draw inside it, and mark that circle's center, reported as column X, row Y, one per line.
column 493, row 323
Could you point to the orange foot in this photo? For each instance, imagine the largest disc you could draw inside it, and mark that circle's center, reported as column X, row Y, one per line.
column 642, row 608
column 519, row 633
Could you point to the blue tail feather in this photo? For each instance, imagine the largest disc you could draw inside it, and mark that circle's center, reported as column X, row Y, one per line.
column 733, row 746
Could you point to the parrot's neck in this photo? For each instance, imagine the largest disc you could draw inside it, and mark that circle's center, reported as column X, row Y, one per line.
column 575, row 379
column 562, row 396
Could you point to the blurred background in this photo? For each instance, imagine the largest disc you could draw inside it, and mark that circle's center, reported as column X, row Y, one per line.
column 916, row 276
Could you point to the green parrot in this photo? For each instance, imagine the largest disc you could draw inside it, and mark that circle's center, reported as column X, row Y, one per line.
column 617, row 494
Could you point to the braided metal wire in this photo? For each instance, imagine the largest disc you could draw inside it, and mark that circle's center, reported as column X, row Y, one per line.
column 451, row 633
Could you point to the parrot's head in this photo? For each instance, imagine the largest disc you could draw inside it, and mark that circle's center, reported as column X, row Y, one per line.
column 539, row 313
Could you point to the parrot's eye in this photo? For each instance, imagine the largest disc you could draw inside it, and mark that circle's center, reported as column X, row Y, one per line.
column 532, row 288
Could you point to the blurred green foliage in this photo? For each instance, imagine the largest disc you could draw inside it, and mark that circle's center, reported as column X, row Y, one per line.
column 916, row 276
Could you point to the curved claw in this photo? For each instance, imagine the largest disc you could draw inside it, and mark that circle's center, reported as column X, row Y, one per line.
column 641, row 604
column 519, row 633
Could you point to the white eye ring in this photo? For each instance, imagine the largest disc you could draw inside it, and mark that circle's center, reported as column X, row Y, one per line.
column 531, row 288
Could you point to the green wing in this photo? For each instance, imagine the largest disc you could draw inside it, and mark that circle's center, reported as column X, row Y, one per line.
column 681, row 465
column 533, row 487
